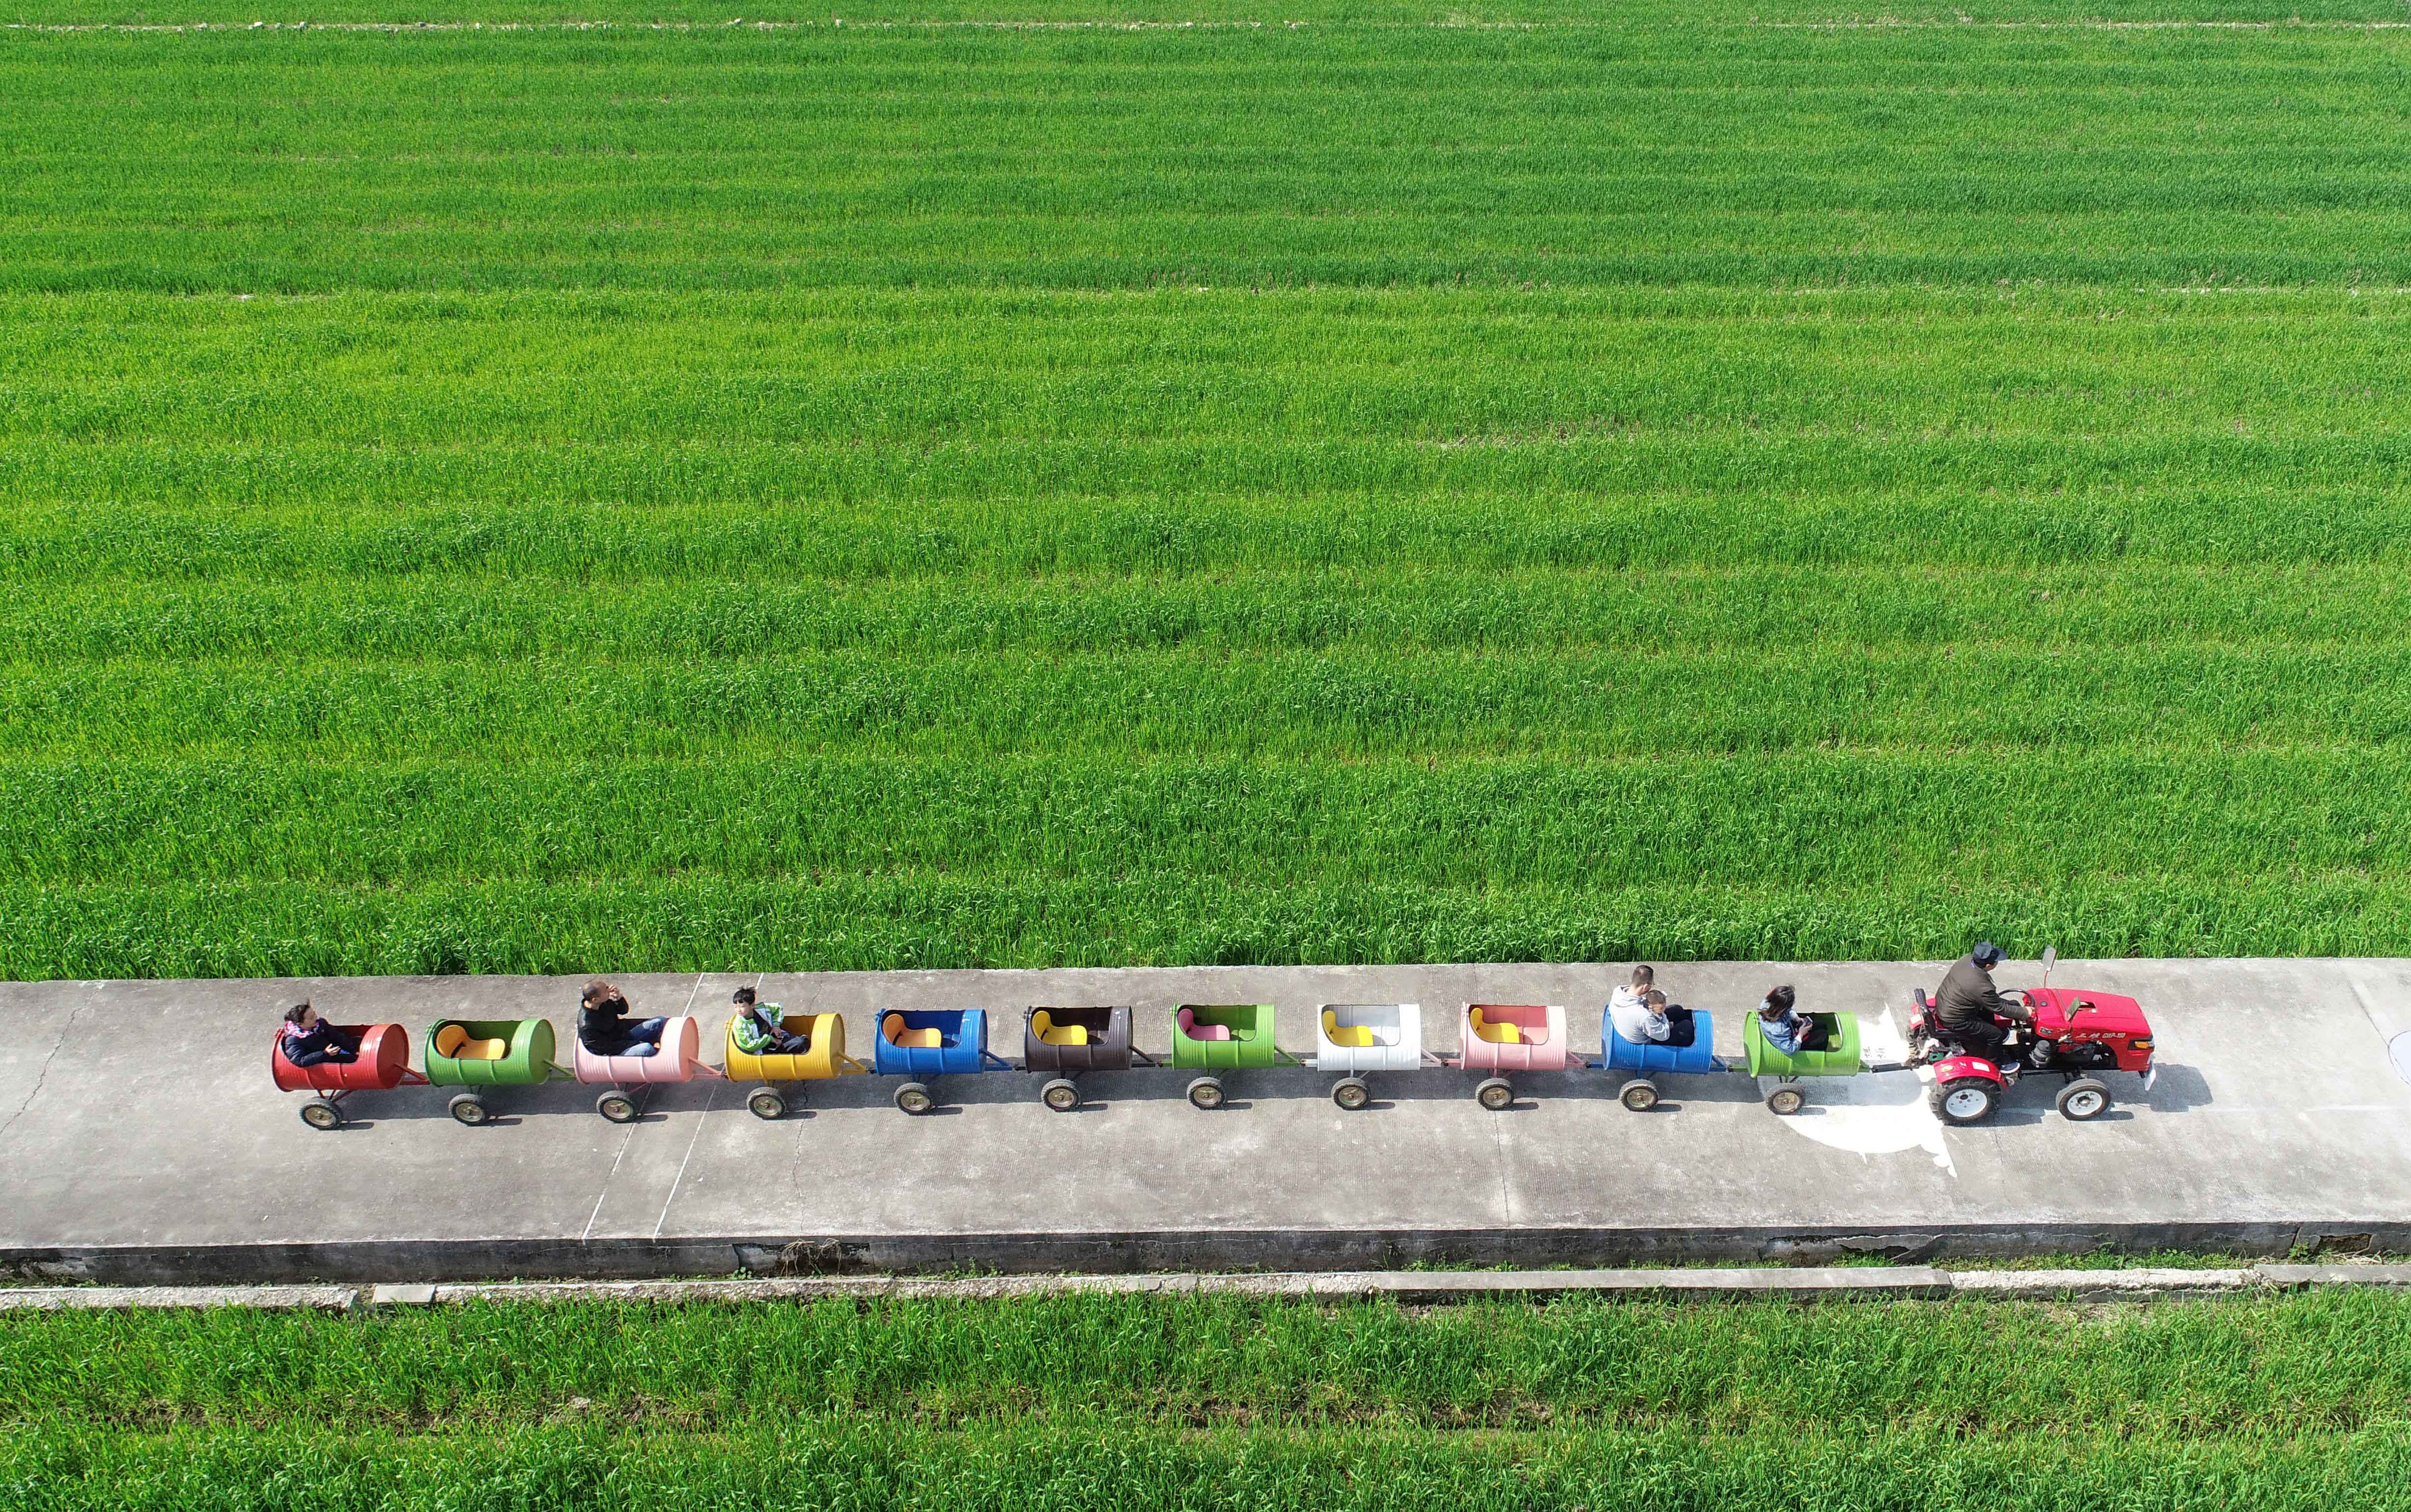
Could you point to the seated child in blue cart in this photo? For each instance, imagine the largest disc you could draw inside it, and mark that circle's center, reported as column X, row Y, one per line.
column 759, row 1029
column 1786, row 1029
column 310, row 1040
column 1640, row 1013
column 604, row 1028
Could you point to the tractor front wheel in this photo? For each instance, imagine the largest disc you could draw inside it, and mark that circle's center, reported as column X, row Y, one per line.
column 2083, row 1099
column 1968, row 1100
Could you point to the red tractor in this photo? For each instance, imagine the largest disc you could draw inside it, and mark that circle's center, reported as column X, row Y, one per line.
column 2076, row 1035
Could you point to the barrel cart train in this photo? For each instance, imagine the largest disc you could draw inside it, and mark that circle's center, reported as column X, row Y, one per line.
column 2077, row 1036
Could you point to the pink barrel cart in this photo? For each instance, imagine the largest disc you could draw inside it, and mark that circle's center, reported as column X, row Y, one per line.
column 1505, row 1037
column 673, row 1061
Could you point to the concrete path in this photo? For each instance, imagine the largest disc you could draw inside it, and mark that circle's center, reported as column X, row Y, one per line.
column 143, row 1141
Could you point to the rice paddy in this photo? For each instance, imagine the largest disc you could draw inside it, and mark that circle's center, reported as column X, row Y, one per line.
column 2273, row 1402
column 1651, row 484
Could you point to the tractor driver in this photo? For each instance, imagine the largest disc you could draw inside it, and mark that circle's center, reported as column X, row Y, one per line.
column 1968, row 1007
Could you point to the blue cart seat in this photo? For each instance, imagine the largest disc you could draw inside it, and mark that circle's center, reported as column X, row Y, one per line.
column 1651, row 1059
column 929, row 1042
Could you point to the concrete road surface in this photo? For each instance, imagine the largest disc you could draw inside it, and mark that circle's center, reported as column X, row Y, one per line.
column 143, row 1141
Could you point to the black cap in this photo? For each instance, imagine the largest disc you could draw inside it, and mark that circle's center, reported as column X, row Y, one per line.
column 1985, row 954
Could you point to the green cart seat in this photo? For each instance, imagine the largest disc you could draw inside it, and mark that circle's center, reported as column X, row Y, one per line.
column 526, row 1058
column 1765, row 1060
column 1250, row 1042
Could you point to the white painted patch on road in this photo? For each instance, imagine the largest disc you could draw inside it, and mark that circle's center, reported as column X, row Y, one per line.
column 1872, row 1114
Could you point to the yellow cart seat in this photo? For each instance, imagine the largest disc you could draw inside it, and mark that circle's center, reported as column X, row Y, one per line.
column 453, row 1042
column 1498, row 1034
column 893, row 1028
column 1353, row 1036
column 1052, row 1033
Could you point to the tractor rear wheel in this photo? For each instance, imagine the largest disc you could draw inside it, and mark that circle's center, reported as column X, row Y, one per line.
column 2083, row 1099
column 1786, row 1101
column 914, row 1098
column 1640, row 1095
column 766, row 1105
column 1496, row 1094
column 1206, row 1093
column 1351, row 1092
column 1968, row 1100
column 1060, row 1094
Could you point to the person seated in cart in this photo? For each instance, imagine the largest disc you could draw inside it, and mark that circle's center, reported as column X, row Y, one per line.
column 760, row 1028
column 604, row 1028
column 1640, row 1013
column 1787, row 1030
column 310, row 1040
column 1968, row 1008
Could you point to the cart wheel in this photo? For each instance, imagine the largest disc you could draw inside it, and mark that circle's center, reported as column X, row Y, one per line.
column 1060, row 1094
column 1970, row 1099
column 321, row 1115
column 1640, row 1095
column 1786, row 1101
column 1496, row 1094
column 617, row 1106
column 914, row 1098
column 1206, row 1093
column 1351, row 1093
column 2083, row 1099
column 766, row 1105
column 468, row 1108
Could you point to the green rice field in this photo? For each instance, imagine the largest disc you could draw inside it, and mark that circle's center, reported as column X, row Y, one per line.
column 2246, row 1403
column 1523, row 483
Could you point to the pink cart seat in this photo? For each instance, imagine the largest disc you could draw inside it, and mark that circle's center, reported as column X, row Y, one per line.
column 1194, row 1030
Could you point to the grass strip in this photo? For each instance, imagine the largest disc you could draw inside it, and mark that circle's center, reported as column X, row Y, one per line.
column 1103, row 1462
column 2238, row 1368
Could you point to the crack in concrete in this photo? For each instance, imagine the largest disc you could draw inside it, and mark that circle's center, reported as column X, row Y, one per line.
column 43, row 1073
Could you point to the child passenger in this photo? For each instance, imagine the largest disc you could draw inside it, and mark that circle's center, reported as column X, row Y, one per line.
column 759, row 1029
column 1787, row 1030
column 1642, row 1015
column 310, row 1040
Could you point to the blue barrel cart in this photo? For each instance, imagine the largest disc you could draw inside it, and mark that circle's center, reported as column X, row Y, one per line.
column 1649, row 1060
column 923, row 1044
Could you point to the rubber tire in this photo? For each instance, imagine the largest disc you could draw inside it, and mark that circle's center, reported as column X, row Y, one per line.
column 468, row 1109
column 766, row 1105
column 1351, row 1093
column 1495, row 1093
column 1640, row 1095
column 2083, row 1091
column 321, row 1115
column 617, row 1106
column 1786, row 1101
column 1206, row 1093
column 914, row 1098
column 1061, row 1094
column 1943, row 1095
